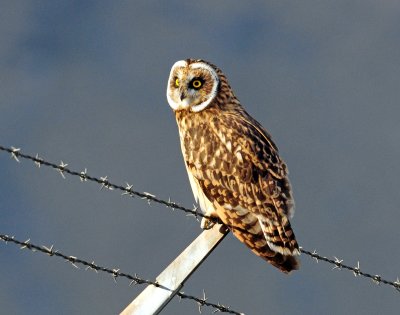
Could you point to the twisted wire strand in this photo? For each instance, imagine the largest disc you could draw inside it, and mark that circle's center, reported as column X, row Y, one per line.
column 127, row 190
column 103, row 181
column 338, row 264
column 115, row 273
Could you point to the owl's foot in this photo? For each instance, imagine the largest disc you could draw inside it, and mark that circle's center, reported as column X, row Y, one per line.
column 206, row 224
column 223, row 229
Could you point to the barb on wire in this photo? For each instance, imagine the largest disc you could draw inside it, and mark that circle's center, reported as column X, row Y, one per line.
column 115, row 273
column 128, row 190
column 14, row 153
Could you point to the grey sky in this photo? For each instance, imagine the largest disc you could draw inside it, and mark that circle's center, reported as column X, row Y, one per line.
column 84, row 82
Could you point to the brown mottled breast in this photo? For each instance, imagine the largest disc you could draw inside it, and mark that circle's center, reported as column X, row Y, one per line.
column 235, row 160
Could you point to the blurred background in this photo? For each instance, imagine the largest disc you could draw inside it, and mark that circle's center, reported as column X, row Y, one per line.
column 84, row 82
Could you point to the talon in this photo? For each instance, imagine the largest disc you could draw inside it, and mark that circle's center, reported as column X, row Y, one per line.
column 206, row 224
column 223, row 229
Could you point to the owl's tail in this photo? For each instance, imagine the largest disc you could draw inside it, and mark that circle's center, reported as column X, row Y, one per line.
column 285, row 263
column 273, row 241
column 259, row 245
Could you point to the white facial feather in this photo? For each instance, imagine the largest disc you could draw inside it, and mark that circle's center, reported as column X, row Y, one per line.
column 175, row 102
column 213, row 93
column 174, row 105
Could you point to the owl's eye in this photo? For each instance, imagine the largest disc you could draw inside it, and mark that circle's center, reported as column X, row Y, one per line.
column 196, row 83
column 177, row 82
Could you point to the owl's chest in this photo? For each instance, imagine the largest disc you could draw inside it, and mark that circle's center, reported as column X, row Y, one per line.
column 206, row 144
column 196, row 136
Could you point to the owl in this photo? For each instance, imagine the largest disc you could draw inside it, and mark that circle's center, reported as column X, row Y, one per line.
column 234, row 167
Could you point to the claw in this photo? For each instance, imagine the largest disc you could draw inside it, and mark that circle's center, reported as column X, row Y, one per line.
column 206, row 224
column 223, row 229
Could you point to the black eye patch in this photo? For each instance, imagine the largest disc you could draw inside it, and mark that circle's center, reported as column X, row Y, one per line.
column 196, row 83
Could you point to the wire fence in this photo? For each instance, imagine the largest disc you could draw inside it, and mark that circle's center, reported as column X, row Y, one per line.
column 128, row 190
column 115, row 273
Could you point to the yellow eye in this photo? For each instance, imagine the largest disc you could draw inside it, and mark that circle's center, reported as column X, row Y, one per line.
column 176, row 82
column 197, row 84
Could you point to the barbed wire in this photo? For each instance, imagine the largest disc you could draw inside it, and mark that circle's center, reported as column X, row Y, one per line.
column 103, row 181
column 339, row 265
column 127, row 190
column 115, row 273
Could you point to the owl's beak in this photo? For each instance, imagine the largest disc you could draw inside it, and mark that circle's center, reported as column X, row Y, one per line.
column 183, row 96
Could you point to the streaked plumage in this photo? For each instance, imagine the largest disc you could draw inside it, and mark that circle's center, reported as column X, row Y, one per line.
column 234, row 168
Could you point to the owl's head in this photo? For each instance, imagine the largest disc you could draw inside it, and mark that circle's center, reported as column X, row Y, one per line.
column 192, row 85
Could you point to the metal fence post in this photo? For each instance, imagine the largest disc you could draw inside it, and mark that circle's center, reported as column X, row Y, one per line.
column 153, row 299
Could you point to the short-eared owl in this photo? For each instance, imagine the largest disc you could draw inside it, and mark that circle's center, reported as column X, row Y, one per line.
column 234, row 168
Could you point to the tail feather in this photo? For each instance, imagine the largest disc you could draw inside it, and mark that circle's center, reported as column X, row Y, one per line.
column 284, row 263
column 272, row 240
column 261, row 247
column 280, row 236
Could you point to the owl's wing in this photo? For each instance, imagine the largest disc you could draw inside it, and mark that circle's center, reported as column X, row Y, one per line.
column 239, row 171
